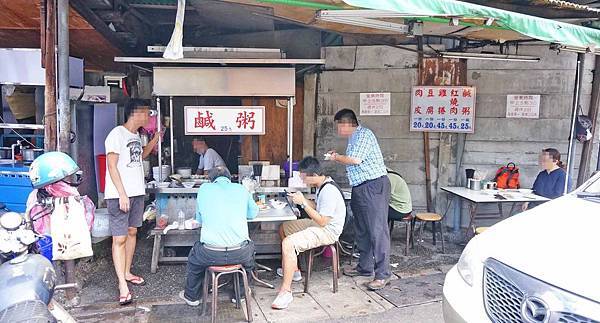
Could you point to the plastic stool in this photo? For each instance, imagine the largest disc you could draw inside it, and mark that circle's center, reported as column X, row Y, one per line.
column 215, row 273
column 335, row 259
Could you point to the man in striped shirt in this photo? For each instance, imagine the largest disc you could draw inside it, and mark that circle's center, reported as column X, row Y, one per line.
column 367, row 175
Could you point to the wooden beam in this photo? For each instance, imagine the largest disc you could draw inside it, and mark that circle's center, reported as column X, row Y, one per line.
column 50, row 89
column 43, row 31
column 110, row 16
column 99, row 25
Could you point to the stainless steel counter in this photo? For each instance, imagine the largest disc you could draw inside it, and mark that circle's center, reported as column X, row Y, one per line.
column 169, row 190
column 194, row 190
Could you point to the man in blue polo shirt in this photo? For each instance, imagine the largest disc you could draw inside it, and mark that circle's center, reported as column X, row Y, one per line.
column 367, row 175
column 223, row 208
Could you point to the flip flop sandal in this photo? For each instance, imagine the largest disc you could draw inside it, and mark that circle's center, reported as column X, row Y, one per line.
column 137, row 281
column 125, row 300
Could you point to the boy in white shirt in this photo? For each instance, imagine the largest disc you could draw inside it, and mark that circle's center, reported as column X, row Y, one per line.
column 125, row 190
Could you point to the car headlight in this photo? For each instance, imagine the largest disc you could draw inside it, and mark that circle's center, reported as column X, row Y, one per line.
column 470, row 264
column 464, row 267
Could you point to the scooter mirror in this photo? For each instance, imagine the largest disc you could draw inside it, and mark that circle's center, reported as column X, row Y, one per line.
column 11, row 221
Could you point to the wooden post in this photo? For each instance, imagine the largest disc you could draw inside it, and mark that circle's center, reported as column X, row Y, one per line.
column 588, row 146
column 49, row 50
column 43, row 31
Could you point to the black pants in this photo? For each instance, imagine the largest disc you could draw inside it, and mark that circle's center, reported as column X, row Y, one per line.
column 201, row 258
column 395, row 215
column 369, row 204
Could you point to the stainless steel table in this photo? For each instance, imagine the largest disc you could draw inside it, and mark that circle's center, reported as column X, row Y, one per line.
column 187, row 238
column 499, row 197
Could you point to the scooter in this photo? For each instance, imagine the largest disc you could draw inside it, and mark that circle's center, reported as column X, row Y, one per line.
column 27, row 279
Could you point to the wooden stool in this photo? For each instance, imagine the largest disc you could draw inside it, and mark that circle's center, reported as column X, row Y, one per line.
column 410, row 226
column 215, row 273
column 335, row 264
column 480, row 230
column 433, row 218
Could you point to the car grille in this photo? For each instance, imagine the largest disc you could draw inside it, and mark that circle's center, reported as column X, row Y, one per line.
column 502, row 298
column 573, row 318
column 506, row 290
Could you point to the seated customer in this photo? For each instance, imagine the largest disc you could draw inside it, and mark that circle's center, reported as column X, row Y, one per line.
column 400, row 200
column 223, row 208
column 323, row 228
column 549, row 183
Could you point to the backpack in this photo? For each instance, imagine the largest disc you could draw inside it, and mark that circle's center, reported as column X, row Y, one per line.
column 508, row 176
column 347, row 235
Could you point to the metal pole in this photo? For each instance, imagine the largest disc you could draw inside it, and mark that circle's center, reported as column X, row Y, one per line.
column 588, row 147
column 64, row 108
column 171, row 132
column 63, row 104
column 460, row 149
column 159, row 129
column 572, row 147
column 291, row 134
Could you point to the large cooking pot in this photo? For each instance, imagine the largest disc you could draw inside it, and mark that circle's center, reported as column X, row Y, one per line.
column 30, row 154
column 185, row 172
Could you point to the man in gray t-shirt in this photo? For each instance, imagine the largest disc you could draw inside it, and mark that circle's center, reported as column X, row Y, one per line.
column 324, row 226
column 209, row 158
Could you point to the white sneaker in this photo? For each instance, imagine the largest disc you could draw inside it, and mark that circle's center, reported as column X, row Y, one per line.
column 187, row 301
column 297, row 274
column 282, row 301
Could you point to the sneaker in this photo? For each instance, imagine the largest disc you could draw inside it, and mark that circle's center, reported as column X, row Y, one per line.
column 297, row 274
column 187, row 301
column 283, row 300
column 242, row 297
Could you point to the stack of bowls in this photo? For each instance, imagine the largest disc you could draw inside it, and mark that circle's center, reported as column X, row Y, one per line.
column 165, row 172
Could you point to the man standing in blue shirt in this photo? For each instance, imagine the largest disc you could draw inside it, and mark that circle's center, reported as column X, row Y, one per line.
column 223, row 208
column 367, row 175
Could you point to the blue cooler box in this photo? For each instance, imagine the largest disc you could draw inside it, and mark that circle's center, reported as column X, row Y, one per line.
column 15, row 186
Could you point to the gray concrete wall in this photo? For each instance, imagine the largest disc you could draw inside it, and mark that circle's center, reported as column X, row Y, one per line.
column 497, row 140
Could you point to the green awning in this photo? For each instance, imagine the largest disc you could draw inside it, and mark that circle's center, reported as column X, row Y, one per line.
column 535, row 27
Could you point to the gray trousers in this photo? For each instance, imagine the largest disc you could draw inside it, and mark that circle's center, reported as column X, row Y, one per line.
column 201, row 258
column 369, row 205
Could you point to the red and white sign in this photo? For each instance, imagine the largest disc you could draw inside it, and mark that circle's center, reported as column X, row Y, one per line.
column 375, row 104
column 443, row 109
column 224, row 120
column 523, row 106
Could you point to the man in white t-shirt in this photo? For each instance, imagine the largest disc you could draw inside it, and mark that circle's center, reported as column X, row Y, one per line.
column 209, row 158
column 125, row 190
column 324, row 227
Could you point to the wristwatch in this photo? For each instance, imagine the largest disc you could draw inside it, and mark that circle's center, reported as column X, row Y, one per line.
column 303, row 205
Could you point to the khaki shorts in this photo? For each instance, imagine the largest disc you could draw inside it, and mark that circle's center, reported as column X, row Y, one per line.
column 306, row 234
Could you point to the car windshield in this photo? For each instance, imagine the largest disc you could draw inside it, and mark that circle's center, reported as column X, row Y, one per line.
column 594, row 188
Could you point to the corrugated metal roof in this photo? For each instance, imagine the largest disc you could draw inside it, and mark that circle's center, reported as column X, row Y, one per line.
column 561, row 4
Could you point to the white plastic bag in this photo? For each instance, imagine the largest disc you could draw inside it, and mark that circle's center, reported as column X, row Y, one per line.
column 70, row 233
column 174, row 49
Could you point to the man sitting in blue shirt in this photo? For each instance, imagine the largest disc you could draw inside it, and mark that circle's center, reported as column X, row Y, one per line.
column 223, row 208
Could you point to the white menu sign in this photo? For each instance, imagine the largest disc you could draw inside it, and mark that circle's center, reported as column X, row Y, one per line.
column 375, row 104
column 224, row 120
column 443, row 109
column 523, row 106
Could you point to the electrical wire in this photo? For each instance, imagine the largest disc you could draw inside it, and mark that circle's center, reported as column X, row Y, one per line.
column 18, row 134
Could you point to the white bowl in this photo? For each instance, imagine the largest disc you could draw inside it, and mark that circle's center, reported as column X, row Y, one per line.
column 278, row 205
column 188, row 184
